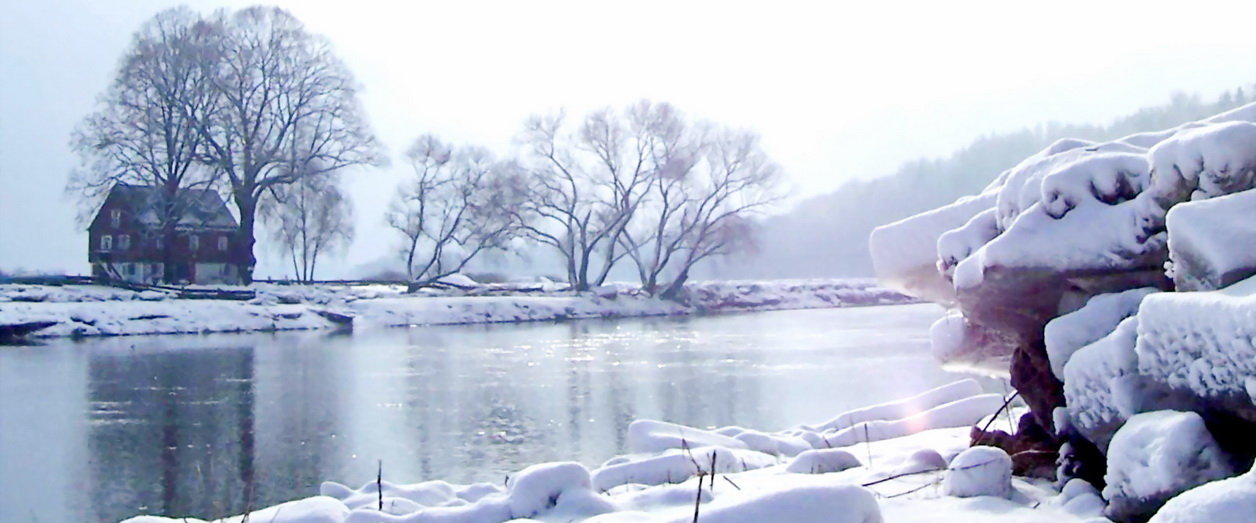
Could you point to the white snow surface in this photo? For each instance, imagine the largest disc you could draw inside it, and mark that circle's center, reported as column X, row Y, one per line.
column 1158, row 455
column 1211, row 241
column 820, row 485
column 905, row 253
column 89, row 310
column 1232, row 500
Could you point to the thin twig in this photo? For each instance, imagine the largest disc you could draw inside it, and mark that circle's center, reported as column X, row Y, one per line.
column 1006, row 402
column 379, row 484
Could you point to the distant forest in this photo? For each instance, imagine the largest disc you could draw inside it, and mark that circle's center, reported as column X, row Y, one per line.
column 827, row 236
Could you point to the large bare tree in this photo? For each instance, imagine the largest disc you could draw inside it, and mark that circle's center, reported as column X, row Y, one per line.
column 586, row 184
column 308, row 218
column 286, row 103
column 457, row 206
column 701, row 206
column 144, row 131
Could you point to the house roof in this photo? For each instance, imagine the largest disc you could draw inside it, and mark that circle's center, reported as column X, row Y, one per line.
column 197, row 208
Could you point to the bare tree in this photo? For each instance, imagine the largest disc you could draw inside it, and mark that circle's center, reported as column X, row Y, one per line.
column 144, row 131
column 700, row 209
column 458, row 206
column 285, row 100
column 308, row 218
column 585, row 186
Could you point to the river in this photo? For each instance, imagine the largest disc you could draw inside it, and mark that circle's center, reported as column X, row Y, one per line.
column 99, row 430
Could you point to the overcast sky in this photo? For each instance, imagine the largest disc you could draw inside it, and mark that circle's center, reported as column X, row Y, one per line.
column 839, row 91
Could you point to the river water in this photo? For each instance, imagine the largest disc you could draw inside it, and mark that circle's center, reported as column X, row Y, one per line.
column 206, row 425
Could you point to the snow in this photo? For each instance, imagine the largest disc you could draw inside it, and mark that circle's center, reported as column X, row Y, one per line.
column 828, row 503
column 1232, row 500
column 1204, row 162
column 658, row 436
column 959, row 413
column 317, row 509
column 1210, row 241
column 906, row 407
column 819, row 485
column 979, row 471
column 1067, row 334
column 1157, row 455
column 88, row 310
column 459, row 280
column 905, row 253
column 1204, row 342
column 822, row 461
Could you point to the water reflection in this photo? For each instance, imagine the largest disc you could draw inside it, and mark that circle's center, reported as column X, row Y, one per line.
column 206, row 426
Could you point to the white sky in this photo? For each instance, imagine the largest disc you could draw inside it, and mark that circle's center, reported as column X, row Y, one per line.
column 839, row 90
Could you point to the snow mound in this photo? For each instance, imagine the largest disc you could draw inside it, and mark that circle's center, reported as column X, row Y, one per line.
column 1210, row 241
column 317, row 509
column 458, row 280
column 1158, row 455
column 806, row 504
column 822, row 461
column 1081, row 499
column 922, row 460
column 1067, row 334
column 1231, row 500
column 959, row 413
column 539, row 488
column 651, row 436
column 1204, row 162
column 979, row 471
column 675, row 466
column 898, row 409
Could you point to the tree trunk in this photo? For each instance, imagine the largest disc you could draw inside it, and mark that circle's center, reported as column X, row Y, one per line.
column 244, row 259
column 673, row 291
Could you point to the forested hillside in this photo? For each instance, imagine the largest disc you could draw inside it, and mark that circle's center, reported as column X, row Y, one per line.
column 827, row 235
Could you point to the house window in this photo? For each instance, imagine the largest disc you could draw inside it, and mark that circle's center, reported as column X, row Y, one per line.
column 130, row 268
column 194, row 242
column 106, row 243
column 161, row 243
column 222, row 243
column 115, row 217
column 124, row 242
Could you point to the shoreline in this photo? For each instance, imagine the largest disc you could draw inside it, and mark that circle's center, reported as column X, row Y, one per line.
column 89, row 311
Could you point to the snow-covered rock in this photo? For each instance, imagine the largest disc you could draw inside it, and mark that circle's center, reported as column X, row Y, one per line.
column 905, row 253
column 1231, row 500
column 1210, row 241
column 906, row 407
column 1156, row 456
column 657, row 436
column 673, row 466
column 979, row 471
column 960, row 413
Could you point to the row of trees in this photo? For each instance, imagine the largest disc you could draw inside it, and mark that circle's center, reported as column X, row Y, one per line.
column 248, row 102
column 643, row 185
column 251, row 104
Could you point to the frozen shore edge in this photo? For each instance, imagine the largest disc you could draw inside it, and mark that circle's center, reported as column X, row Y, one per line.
column 92, row 311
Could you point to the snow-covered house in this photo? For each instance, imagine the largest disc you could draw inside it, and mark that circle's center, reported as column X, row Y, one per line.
column 126, row 240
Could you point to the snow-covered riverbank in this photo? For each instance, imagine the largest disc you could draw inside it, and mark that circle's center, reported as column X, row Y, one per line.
column 105, row 311
column 900, row 461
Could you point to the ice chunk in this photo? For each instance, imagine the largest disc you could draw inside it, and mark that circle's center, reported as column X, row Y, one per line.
column 979, row 471
column 1099, row 317
column 1090, row 377
column 1211, row 241
column 1156, row 456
